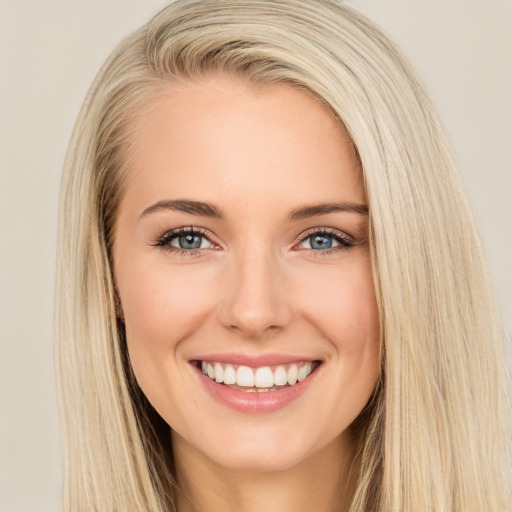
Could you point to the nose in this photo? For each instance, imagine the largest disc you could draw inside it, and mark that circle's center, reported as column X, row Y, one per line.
column 256, row 299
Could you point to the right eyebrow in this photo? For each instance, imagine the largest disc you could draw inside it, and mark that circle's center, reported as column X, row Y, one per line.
column 324, row 208
column 185, row 205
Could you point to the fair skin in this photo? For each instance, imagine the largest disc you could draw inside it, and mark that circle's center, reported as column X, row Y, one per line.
column 255, row 278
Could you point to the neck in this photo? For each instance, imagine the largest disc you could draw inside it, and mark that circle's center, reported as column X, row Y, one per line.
column 322, row 482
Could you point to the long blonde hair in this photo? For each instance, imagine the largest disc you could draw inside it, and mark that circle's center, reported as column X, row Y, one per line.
column 436, row 435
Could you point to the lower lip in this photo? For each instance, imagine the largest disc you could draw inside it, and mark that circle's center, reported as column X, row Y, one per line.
column 254, row 402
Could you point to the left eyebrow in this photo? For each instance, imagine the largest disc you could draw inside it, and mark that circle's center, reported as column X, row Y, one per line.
column 323, row 208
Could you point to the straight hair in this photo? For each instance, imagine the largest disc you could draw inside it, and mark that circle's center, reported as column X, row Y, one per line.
column 435, row 436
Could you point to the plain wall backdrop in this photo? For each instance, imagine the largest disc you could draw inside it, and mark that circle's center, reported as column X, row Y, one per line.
column 49, row 53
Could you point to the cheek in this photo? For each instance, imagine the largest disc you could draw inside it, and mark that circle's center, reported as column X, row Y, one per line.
column 161, row 308
column 160, row 305
column 342, row 304
column 357, row 320
column 352, row 326
column 344, row 310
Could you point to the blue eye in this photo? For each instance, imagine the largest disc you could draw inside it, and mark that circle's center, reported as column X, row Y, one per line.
column 184, row 240
column 189, row 241
column 323, row 240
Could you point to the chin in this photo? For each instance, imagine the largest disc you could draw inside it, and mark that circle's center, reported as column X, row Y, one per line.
column 259, row 460
column 259, row 450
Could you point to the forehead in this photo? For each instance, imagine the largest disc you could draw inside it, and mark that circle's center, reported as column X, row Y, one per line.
column 224, row 135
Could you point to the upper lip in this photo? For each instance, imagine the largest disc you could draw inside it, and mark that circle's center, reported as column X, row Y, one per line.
column 252, row 360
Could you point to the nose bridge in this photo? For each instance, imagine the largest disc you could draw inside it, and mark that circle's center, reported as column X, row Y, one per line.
column 255, row 300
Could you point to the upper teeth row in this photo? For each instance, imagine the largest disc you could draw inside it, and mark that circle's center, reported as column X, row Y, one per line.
column 263, row 377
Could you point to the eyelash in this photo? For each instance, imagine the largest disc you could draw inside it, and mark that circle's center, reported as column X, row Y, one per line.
column 164, row 242
column 344, row 241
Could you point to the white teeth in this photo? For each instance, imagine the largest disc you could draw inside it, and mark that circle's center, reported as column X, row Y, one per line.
column 219, row 372
column 292, row 374
column 264, row 378
column 258, row 379
column 245, row 377
column 303, row 372
column 280, row 377
column 229, row 375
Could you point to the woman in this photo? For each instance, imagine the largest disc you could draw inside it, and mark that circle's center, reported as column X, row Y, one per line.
column 278, row 297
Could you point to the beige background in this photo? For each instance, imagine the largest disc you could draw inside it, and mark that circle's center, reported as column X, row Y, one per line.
column 49, row 52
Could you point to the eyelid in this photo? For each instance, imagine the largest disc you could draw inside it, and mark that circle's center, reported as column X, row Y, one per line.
column 163, row 241
column 336, row 233
column 344, row 240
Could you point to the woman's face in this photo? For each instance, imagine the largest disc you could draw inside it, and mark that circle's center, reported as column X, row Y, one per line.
column 241, row 252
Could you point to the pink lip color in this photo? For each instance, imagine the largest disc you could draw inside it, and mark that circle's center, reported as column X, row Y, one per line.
column 255, row 403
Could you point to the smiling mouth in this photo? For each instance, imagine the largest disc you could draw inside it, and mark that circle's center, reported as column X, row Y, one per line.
column 257, row 380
